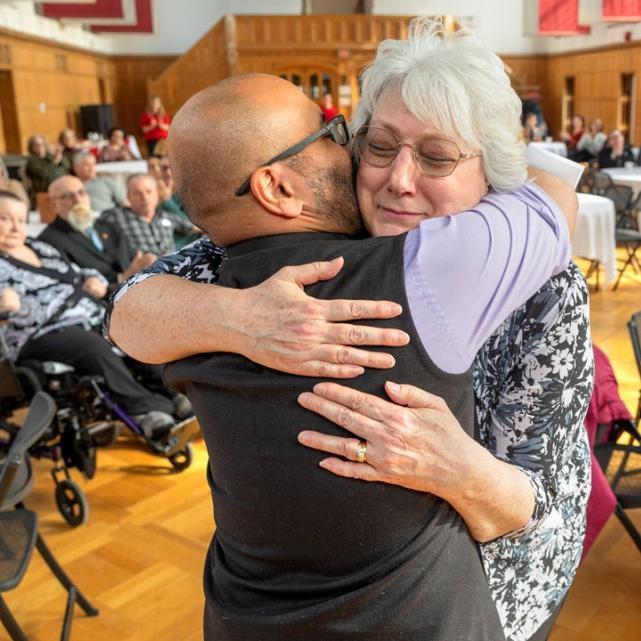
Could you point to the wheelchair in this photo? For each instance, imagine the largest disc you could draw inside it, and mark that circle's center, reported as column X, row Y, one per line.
column 86, row 419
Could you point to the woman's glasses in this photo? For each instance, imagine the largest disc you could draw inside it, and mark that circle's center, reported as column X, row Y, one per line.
column 435, row 157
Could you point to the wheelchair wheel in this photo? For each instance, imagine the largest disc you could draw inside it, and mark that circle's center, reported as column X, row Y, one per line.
column 72, row 503
column 182, row 460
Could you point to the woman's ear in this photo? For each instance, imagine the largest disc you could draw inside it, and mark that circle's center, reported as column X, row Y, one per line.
column 279, row 190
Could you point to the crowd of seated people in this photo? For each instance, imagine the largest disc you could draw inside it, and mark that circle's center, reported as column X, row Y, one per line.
column 54, row 286
column 587, row 145
column 56, row 310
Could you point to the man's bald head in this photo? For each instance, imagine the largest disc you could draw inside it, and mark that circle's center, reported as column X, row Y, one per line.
column 65, row 193
column 226, row 131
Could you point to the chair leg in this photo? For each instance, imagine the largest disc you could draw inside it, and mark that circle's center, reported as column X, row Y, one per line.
column 628, row 525
column 10, row 624
column 622, row 270
column 61, row 575
column 66, row 624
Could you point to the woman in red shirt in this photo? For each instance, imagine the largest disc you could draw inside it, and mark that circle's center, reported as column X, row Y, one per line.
column 154, row 123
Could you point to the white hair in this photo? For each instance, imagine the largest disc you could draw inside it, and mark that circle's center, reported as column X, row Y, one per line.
column 459, row 86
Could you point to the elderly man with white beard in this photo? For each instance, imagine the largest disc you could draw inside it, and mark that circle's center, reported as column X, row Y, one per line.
column 84, row 239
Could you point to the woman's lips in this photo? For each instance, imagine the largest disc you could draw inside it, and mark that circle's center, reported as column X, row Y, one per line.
column 401, row 212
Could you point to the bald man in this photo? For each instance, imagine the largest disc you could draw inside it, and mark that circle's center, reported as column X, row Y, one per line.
column 85, row 239
column 297, row 554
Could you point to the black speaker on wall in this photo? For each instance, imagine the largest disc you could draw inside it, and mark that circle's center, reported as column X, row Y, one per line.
column 96, row 118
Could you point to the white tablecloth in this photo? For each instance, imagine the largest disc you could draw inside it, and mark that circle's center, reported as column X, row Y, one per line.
column 120, row 171
column 555, row 147
column 594, row 233
column 622, row 176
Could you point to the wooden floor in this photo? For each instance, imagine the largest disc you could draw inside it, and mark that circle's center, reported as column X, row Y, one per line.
column 140, row 556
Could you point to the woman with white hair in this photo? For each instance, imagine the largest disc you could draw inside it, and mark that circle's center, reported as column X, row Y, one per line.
column 436, row 131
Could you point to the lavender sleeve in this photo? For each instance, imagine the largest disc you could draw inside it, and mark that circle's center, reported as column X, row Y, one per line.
column 464, row 274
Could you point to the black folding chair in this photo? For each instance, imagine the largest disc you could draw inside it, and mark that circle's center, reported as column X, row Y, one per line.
column 19, row 527
column 600, row 182
column 586, row 182
column 621, row 464
column 626, row 230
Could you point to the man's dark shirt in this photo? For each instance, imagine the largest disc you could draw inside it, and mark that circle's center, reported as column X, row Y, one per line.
column 298, row 552
column 113, row 259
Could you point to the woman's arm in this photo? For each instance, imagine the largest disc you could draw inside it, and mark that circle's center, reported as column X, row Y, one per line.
column 530, row 423
column 275, row 323
column 422, row 447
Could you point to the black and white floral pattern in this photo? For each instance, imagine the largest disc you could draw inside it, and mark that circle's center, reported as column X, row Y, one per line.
column 533, row 381
column 42, row 295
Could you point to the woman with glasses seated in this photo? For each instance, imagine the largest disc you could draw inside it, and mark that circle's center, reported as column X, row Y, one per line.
column 55, row 309
column 436, row 134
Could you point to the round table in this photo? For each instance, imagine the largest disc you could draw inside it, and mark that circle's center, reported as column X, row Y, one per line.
column 594, row 233
column 556, row 147
column 624, row 176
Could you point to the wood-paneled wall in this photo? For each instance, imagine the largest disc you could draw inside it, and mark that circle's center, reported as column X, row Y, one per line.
column 339, row 45
column 43, row 84
column 597, row 79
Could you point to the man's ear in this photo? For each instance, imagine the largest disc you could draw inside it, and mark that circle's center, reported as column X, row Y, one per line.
column 278, row 189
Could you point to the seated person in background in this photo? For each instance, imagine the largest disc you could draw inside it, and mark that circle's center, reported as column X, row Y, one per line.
column 616, row 153
column 591, row 143
column 55, row 313
column 571, row 138
column 147, row 228
column 170, row 202
column 12, row 185
column 44, row 164
column 104, row 192
column 116, row 149
column 532, row 131
column 82, row 238
column 70, row 144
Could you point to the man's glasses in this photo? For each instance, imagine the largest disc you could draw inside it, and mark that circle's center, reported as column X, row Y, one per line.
column 336, row 129
column 434, row 156
column 69, row 195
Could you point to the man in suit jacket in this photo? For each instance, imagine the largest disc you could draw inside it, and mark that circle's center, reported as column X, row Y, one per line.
column 84, row 239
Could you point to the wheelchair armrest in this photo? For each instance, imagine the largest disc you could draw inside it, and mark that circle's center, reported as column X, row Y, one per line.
column 52, row 368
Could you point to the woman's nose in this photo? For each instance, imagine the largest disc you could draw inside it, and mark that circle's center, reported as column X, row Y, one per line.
column 403, row 172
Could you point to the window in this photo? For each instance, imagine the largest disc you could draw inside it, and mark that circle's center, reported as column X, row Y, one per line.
column 567, row 105
column 626, row 102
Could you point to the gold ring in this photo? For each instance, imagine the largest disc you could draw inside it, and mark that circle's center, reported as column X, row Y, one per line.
column 361, row 452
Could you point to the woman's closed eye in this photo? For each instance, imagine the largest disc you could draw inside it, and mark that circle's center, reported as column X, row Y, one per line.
column 382, row 148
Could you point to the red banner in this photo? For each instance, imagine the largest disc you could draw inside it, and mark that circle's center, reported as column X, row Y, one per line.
column 98, row 9
column 621, row 10
column 560, row 18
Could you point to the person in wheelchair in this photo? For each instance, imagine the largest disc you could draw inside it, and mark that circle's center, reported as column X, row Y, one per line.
column 55, row 314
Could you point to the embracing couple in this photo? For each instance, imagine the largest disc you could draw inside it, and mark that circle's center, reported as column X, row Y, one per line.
column 443, row 498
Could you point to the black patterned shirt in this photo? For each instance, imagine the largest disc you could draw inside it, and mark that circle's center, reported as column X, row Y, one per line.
column 532, row 382
column 46, row 293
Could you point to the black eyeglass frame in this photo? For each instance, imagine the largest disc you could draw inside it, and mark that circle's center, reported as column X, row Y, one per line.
column 328, row 129
column 361, row 135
